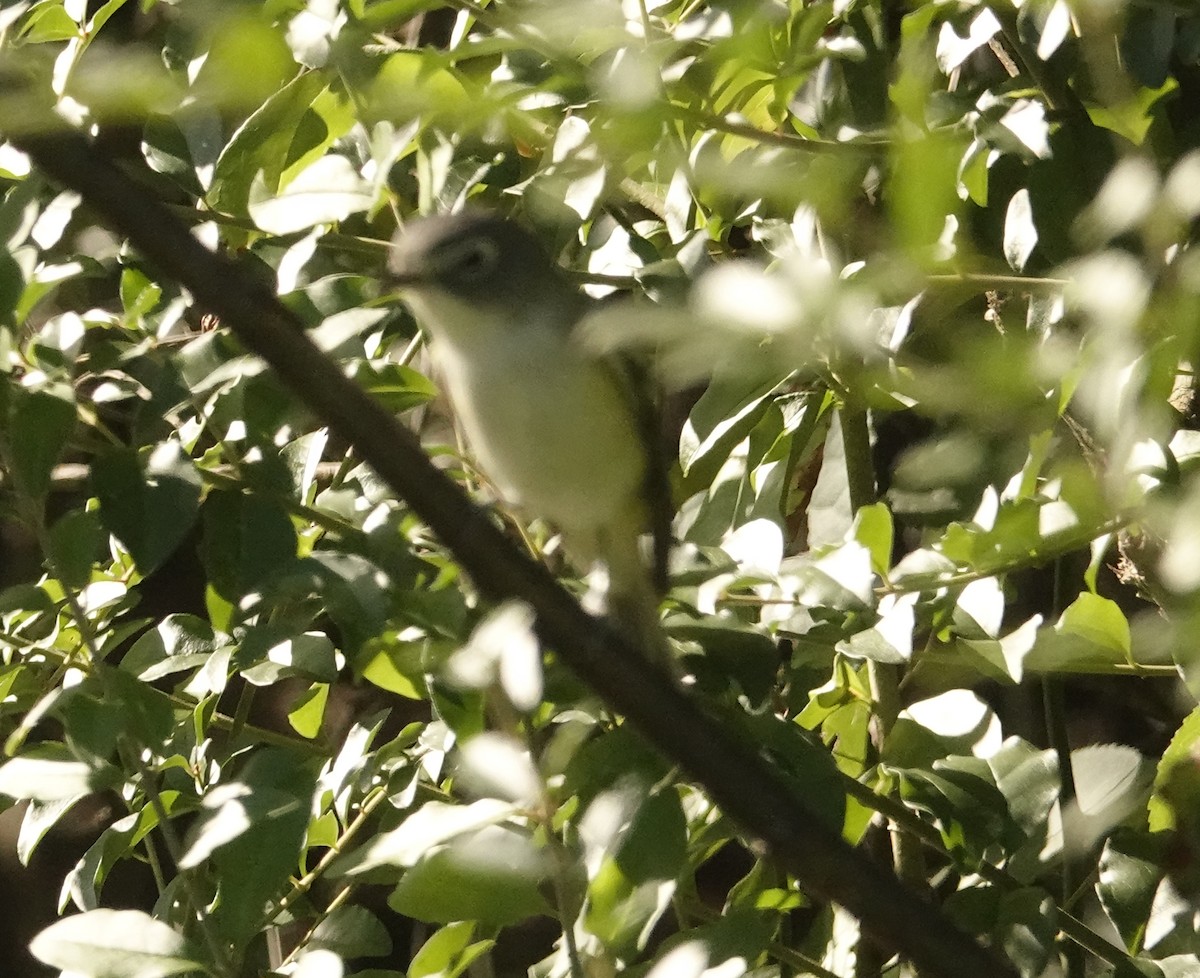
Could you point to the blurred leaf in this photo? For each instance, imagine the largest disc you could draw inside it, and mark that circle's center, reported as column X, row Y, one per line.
column 1111, row 781
column 1147, row 42
column 1132, row 118
column 656, row 842
column 922, row 193
column 415, row 83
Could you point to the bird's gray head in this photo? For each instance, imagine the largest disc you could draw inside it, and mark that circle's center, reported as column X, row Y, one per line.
column 475, row 257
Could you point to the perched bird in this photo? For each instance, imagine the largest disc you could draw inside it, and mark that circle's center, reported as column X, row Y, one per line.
column 557, row 428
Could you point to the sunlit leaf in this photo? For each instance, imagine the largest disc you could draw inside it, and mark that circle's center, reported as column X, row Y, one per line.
column 493, row 875
column 114, row 944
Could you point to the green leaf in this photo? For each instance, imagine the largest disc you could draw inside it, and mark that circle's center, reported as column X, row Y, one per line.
column 1132, row 117
column 101, row 16
column 247, row 539
column 84, row 884
column 49, row 22
column 434, row 824
column 622, row 913
column 965, row 801
column 396, row 665
column 176, row 643
column 1177, row 779
column 416, row 83
column 352, row 932
column 356, row 593
column 721, row 418
column 40, row 423
column 493, row 876
column 656, row 842
column 263, row 144
column 606, row 758
column 873, row 529
column 46, row 779
column 397, row 387
column 138, row 294
column 922, row 189
column 147, row 716
column 1028, row 778
column 76, row 540
column 1098, row 621
column 40, row 817
column 732, row 652
column 806, row 764
column 277, row 655
column 306, row 714
column 252, row 830
column 114, row 944
column 1092, row 633
column 149, row 503
column 1130, row 871
column 448, row 952
column 327, row 191
column 1026, row 929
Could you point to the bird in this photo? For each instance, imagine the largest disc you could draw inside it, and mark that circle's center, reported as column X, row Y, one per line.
column 559, row 430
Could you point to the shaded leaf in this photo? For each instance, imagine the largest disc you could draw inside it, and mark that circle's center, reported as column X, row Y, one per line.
column 148, row 503
column 40, row 423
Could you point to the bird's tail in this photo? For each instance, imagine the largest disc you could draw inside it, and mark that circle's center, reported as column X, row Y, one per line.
column 632, row 599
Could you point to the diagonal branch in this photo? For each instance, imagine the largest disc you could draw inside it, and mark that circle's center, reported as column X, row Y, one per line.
column 733, row 770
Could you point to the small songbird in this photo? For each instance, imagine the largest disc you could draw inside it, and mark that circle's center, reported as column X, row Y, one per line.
column 556, row 428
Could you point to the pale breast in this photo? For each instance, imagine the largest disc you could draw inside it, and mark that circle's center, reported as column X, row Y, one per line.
column 552, row 428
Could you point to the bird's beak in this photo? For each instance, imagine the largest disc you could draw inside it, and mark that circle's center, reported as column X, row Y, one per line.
column 406, row 269
column 404, row 272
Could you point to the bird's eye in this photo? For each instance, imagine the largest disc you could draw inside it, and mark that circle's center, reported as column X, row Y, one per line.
column 472, row 260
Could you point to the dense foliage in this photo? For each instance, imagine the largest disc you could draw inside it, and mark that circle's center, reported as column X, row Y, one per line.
column 918, row 283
